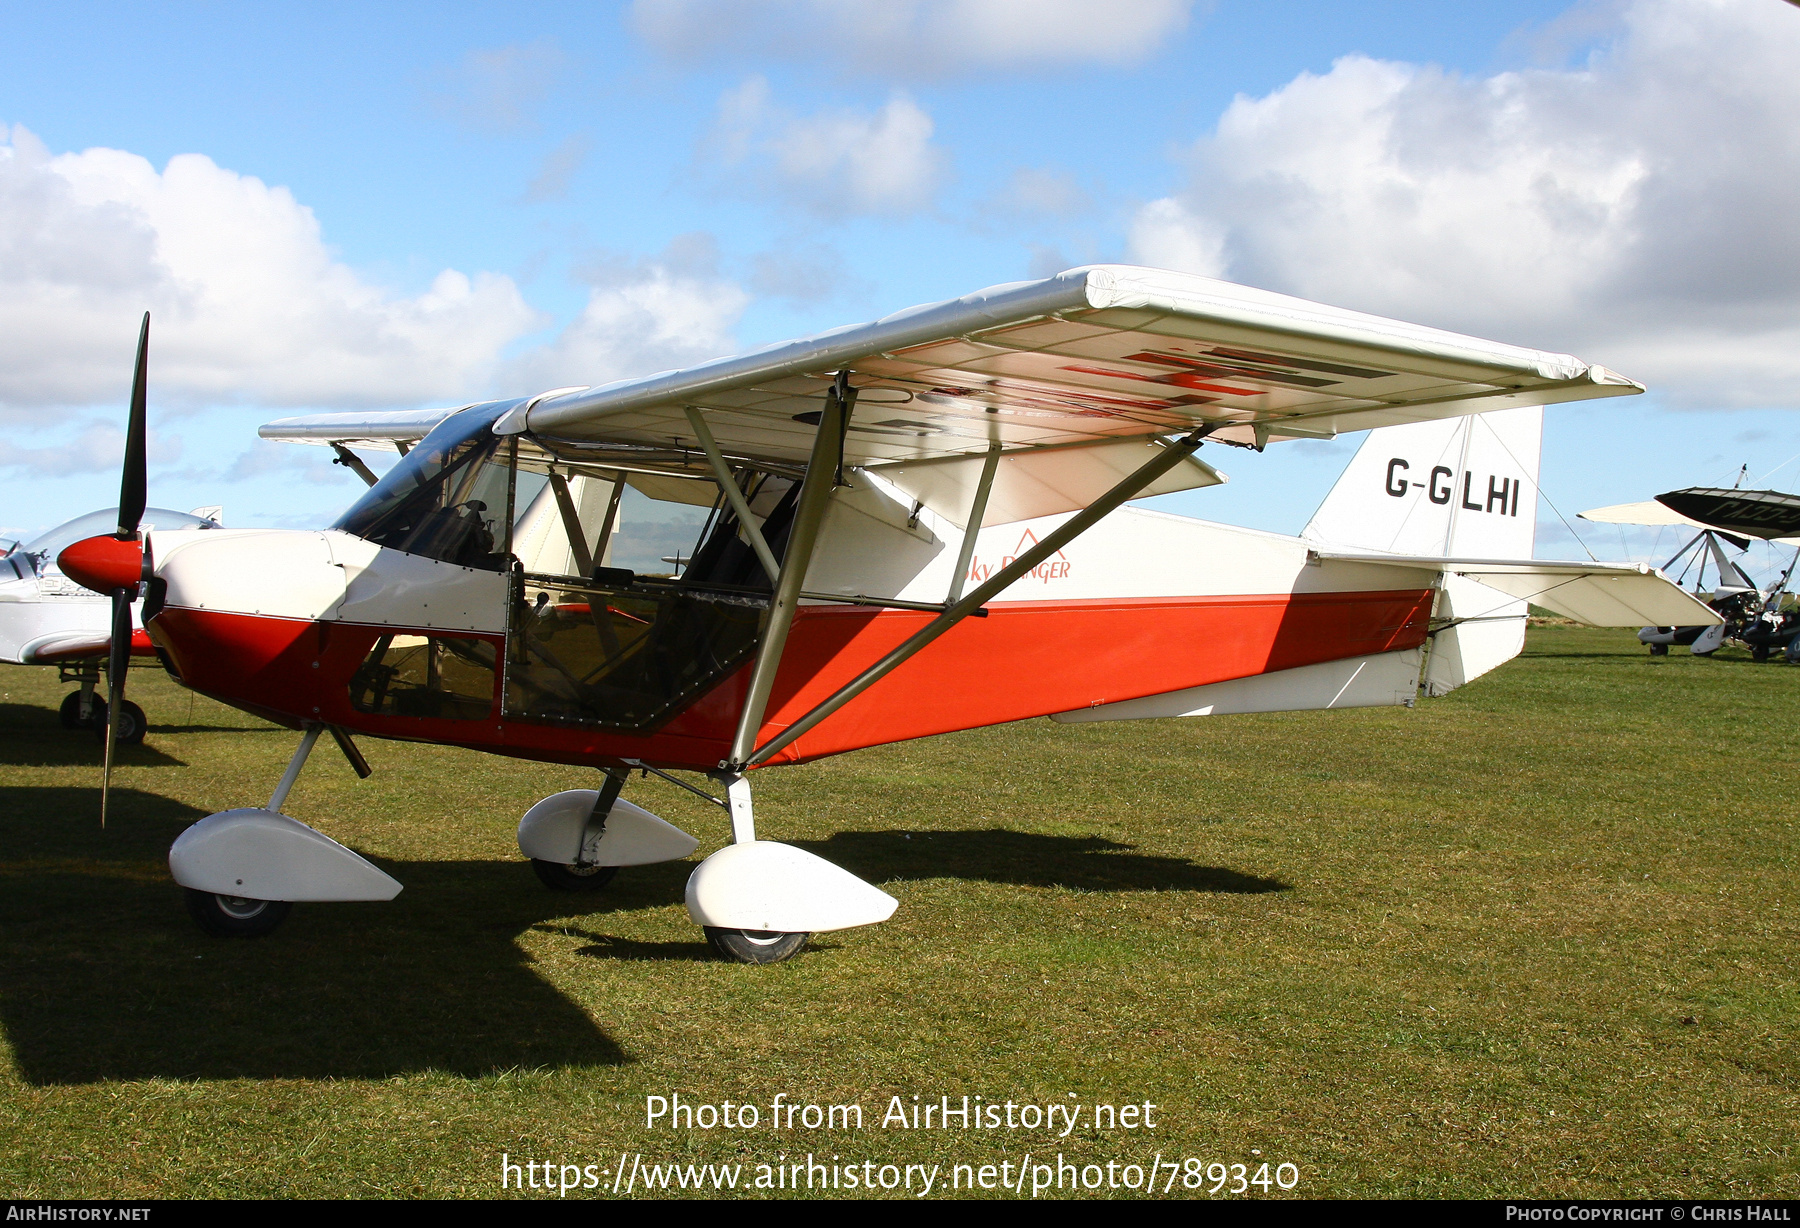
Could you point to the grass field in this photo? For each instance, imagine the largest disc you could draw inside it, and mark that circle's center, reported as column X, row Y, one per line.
column 1535, row 938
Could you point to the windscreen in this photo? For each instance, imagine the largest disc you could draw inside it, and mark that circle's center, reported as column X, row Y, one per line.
column 446, row 499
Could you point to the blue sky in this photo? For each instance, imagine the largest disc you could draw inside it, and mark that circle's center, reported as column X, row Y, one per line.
column 622, row 188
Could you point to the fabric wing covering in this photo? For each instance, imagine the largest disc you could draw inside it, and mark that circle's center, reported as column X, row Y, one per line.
column 1106, row 358
column 1782, row 518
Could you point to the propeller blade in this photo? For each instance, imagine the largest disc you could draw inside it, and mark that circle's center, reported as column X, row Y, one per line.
column 134, row 483
column 118, row 661
column 133, row 486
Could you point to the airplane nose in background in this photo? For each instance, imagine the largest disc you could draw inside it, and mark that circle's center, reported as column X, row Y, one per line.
column 103, row 563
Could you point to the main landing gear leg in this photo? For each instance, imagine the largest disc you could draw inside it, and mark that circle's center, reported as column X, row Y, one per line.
column 82, row 709
column 760, row 900
column 746, row 946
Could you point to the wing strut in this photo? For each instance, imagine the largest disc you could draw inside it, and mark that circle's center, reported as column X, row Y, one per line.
column 354, row 463
column 1172, row 455
column 565, row 505
column 977, row 511
column 815, row 497
column 729, row 484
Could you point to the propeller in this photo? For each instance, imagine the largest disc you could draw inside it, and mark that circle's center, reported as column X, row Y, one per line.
column 120, row 564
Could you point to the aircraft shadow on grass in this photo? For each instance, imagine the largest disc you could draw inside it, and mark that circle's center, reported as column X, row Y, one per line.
column 103, row 976
column 31, row 736
column 995, row 855
column 1000, row 855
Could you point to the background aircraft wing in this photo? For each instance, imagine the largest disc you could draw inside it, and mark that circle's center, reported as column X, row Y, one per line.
column 1767, row 514
column 1091, row 356
column 372, row 429
column 1654, row 514
column 1649, row 512
column 54, row 646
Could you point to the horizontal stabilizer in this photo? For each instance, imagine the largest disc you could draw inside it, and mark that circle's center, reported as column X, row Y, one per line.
column 1598, row 594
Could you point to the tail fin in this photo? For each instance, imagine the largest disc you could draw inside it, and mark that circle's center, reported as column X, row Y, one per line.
column 1458, row 488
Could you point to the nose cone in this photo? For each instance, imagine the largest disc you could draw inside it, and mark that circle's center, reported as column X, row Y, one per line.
column 103, row 563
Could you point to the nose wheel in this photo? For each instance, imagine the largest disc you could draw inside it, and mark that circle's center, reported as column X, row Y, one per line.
column 570, row 877
column 231, row 916
column 70, row 712
column 132, row 721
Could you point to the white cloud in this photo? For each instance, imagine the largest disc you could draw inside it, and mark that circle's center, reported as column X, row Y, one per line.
column 914, row 39
column 1042, row 192
column 835, row 164
column 497, row 91
column 1636, row 209
column 805, row 274
column 641, row 317
column 266, row 459
column 98, row 447
column 247, row 304
column 558, row 167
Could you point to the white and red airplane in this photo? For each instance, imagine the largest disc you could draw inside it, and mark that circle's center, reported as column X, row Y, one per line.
column 900, row 528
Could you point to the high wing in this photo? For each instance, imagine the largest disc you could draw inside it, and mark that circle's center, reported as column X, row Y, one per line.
column 1598, row 594
column 1093, row 356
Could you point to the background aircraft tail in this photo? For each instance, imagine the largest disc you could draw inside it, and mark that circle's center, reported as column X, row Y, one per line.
column 1463, row 488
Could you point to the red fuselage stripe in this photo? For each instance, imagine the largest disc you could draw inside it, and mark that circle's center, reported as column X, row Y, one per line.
column 1026, row 659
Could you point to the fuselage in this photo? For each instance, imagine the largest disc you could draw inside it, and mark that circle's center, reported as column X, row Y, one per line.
column 326, row 626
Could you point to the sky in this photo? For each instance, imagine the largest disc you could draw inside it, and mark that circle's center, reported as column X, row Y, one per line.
column 333, row 207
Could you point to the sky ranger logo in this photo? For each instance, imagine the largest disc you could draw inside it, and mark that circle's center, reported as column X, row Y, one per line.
column 1050, row 569
column 1502, row 493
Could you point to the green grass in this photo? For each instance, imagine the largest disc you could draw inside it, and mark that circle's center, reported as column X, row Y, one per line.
column 1535, row 938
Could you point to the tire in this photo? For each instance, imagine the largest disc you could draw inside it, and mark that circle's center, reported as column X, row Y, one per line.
column 560, row 877
column 233, row 917
column 70, row 712
column 1659, row 650
column 1760, row 653
column 132, row 722
column 755, row 946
